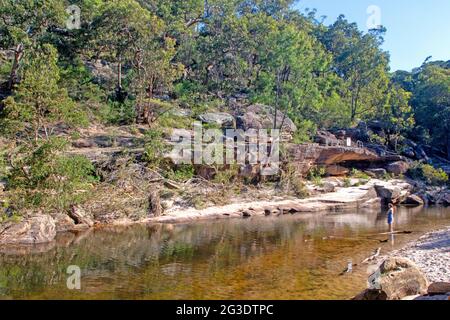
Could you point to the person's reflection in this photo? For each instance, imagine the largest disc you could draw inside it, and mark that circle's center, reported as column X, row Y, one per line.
column 392, row 239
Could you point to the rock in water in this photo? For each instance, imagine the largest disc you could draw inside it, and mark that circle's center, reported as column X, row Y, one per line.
column 413, row 200
column 399, row 278
column 439, row 288
column 80, row 216
column 34, row 230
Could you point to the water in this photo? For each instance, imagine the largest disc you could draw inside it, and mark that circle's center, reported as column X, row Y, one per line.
column 290, row 257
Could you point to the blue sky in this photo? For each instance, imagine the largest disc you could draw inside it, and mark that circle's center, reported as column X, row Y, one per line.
column 416, row 29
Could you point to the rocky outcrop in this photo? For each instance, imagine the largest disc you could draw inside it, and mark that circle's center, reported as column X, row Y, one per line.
column 222, row 119
column 337, row 155
column 389, row 193
column 260, row 116
column 413, row 200
column 399, row 278
column 34, row 230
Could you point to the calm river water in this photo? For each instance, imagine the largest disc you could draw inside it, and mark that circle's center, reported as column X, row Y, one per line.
column 290, row 257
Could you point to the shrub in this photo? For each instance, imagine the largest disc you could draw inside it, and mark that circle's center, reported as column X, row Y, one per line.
column 181, row 173
column 155, row 148
column 316, row 174
column 45, row 178
column 429, row 174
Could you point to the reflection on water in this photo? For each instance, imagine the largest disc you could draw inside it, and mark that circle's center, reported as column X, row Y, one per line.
column 290, row 257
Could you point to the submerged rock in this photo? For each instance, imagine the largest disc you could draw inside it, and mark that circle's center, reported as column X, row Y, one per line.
column 34, row 230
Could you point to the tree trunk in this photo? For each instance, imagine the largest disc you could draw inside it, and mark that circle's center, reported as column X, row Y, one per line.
column 154, row 204
column 18, row 54
column 119, row 75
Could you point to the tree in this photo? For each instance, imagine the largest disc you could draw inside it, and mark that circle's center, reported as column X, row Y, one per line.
column 23, row 23
column 39, row 102
column 122, row 31
column 360, row 62
column 396, row 115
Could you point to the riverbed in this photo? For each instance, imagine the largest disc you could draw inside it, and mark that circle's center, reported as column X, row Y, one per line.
column 288, row 257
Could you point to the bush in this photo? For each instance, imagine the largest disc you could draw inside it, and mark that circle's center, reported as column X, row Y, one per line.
column 429, row 174
column 181, row 173
column 45, row 178
column 155, row 148
column 316, row 174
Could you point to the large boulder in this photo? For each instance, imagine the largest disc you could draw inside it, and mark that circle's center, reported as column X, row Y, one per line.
column 399, row 278
column 34, row 230
column 63, row 222
column 413, row 200
column 389, row 193
column 326, row 138
column 222, row 119
column 398, row 167
column 260, row 116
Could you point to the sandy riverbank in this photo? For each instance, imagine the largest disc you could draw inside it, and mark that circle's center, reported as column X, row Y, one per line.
column 431, row 253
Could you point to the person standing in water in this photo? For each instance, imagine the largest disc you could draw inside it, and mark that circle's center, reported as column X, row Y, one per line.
column 390, row 214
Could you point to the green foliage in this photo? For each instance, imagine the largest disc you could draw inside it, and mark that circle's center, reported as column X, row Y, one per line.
column 316, row 174
column 44, row 177
column 181, row 173
column 39, row 101
column 154, row 148
column 429, row 174
column 357, row 174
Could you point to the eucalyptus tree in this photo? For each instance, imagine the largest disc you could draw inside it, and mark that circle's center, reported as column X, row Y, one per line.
column 23, row 23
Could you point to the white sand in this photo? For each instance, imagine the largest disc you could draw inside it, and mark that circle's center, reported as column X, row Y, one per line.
column 431, row 253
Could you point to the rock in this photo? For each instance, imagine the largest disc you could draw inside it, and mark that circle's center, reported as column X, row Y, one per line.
column 247, row 214
column 409, row 152
column 260, row 116
column 326, row 138
column 337, row 155
column 388, row 193
column 413, row 200
column 35, row 230
column 336, row 170
column 224, row 120
column 439, row 288
column 399, row 278
column 398, row 168
column 80, row 216
column 154, row 204
column 64, row 223
column 371, row 295
column 83, row 143
column 446, row 199
column 376, row 173
column 328, row 187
